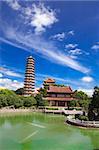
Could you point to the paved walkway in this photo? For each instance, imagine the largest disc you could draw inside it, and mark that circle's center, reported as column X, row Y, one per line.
column 66, row 112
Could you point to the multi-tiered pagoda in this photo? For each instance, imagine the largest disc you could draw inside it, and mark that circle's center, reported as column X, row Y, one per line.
column 29, row 82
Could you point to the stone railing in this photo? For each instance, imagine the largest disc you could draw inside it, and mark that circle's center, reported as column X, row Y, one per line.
column 92, row 124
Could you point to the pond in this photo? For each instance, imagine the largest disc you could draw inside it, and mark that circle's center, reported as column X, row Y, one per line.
column 36, row 131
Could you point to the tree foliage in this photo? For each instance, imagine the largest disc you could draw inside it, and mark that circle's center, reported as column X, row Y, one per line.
column 40, row 101
column 20, row 91
column 60, row 85
column 29, row 101
column 73, row 103
column 83, row 99
column 93, row 113
column 10, row 98
column 3, row 101
column 43, row 91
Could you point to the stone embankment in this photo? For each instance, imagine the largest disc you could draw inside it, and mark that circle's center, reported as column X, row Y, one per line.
column 13, row 111
column 87, row 124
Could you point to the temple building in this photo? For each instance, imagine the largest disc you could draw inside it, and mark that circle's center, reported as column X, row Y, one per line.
column 58, row 95
column 29, row 82
column 48, row 82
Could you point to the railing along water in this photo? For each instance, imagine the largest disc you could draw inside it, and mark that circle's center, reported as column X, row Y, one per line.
column 77, row 122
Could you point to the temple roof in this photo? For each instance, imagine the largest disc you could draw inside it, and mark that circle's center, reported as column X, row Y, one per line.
column 58, row 89
column 49, row 80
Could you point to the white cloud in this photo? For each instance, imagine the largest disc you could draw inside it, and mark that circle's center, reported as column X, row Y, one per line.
column 96, row 46
column 76, row 51
column 42, row 17
column 1, row 75
column 71, row 32
column 13, row 4
column 10, row 84
column 59, row 36
column 61, row 58
column 71, row 46
column 38, row 44
column 9, row 72
column 67, row 81
column 13, row 44
column 87, row 79
column 42, row 77
column 89, row 92
column 37, row 16
column 73, row 51
column 62, row 36
column 44, row 48
column 73, row 56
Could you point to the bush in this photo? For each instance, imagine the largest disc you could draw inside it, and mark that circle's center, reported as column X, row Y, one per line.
column 10, row 98
column 29, row 101
column 51, row 108
column 18, row 102
column 3, row 101
column 71, row 108
column 73, row 103
column 81, row 117
column 78, row 108
column 40, row 101
column 20, row 91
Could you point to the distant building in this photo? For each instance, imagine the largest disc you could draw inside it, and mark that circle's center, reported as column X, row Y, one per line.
column 29, row 82
column 48, row 82
column 58, row 95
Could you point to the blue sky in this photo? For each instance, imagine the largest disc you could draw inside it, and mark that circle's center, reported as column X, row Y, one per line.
column 62, row 36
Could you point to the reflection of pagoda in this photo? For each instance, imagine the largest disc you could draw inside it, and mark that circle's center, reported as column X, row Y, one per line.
column 29, row 81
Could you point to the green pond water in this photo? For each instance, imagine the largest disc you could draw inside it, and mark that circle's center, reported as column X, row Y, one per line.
column 37, row 131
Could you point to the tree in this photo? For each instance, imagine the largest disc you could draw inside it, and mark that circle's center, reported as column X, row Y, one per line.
column 91, row 114
column 95, row 98
column 94, row 105
column 60, row 85
column 39, row 100
column 20, row 91
column 83, row 99
column 0, row 102
column 43, row 91
column 7, row 92
column 29, row 101
column 6, row 97
column 18, row 102
column 73, row 103
column 9, row 98
column 3, row 101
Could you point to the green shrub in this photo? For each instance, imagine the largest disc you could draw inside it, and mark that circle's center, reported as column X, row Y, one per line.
column 81, row 117
column 51, row 108
column 29, row 101
column 78, row 108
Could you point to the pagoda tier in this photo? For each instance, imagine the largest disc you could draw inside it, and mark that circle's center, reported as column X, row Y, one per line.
column 29, row 81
